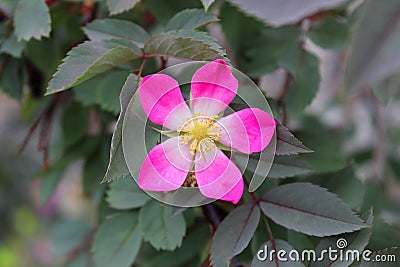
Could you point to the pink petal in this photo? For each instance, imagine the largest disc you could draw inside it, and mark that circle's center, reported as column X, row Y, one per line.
column 166, row 166
column 213, row 88
column 248, row 130
column 161, row 99
column 235, row 194
column 219, row 177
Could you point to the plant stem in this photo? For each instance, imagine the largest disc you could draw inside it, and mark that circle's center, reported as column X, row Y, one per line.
column 271, row 237
column 139, row 75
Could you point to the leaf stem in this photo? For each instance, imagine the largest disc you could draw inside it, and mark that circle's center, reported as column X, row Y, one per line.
column 210, row 213
column 140, row 71
column 271, row 237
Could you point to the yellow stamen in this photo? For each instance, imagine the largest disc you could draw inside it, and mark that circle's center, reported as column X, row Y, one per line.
column 201, row 132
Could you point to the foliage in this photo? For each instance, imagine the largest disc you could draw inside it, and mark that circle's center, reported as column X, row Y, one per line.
column 88, row 58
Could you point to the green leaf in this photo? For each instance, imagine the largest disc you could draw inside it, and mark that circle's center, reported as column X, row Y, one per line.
column 241, row 32
column 288, row 166
column 68, row 234
column 190, row 19
column 353, row 242
column 50, row 49
column 287, row 143
column 31, row 20
column 391, row 256
column 160, row 228
column 103, row 90
column 117, row 166
column 53, row 175
column 330, row 33
column 88, row 60
column 82, row 260
column 74, row 123
column 276, row 14
column 274, row 48
column 305, row 69
column 106, row 29
column 163, row 11
column 383, row 235
column 109, row 89
column 119, row 6
column 94, row 168
column 117, row 241
column 326, row 156
column 234, row 233
column 186, row 44
column 271, row 261
column 48, row 183
column 343, row 183
column 373, row 53
column 191, row 246
column 11, row 81
column 125, row 194
column 12, row 46
column 309, row 209
column 207, row 4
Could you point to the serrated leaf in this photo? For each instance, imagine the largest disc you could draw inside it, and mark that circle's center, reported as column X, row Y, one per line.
column 117, row 166
column 287, row 143
column 187, row 44
column 353, row 242
column 119, row 6
column 288, row 166
column 190, row 19
column 266, row 260
column 106, row 29
column 272, row 12
column 125, row 194
column 31, row 20
column 207, row 4
column 234, row 233
column 88, row 60
column 309, row 209
column 373, row 53
column 343, row 183
column 391, row 256
column 117, row 241
column 160, row 228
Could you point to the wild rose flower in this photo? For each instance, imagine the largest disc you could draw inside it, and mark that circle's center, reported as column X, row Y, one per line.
column 193, row 155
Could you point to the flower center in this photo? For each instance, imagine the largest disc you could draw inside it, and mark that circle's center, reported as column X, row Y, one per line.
column 201, row 132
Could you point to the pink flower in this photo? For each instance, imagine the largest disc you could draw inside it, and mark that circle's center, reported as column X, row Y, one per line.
column 194, row 152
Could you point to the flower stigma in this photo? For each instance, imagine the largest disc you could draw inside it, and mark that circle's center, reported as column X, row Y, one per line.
column 201, row 132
